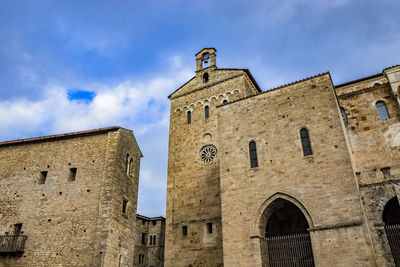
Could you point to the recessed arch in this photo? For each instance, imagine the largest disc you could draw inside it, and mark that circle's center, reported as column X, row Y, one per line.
column 262, row 213
column 391, row 220
column 283, row 227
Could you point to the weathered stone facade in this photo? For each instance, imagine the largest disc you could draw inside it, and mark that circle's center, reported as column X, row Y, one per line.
column 149, row 241
column 283, row 162
column 73, row 196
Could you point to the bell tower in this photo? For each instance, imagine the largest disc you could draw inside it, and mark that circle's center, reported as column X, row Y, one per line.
column 206, row 59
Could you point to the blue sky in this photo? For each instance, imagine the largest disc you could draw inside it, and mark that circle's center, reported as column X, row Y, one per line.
column 75, row 65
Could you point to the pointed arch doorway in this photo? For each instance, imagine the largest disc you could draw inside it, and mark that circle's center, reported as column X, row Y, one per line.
column 287, row 241
column 391, row 218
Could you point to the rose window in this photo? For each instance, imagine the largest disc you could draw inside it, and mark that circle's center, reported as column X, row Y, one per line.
column 208, row 153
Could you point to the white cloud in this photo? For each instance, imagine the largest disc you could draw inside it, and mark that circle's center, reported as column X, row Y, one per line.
column 138, row 105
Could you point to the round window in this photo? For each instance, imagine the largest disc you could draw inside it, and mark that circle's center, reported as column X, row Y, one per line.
column 208, row 153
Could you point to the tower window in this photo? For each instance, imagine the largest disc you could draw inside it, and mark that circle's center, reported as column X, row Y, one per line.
column 253, row 154
column 305, row 142
column 130, row 166
column 206, row 112
column 127, row 164
column 225, row 102
column 184, row 230
column 345, row 119
column 72, row 174
column 189, row 117
column 205, row 77
column 209, row 228
column 124, row 206
column 382, row 110
column 143, row 238
column 42, row 177
column 151, row 240
column 205, row 60
column 154, row 240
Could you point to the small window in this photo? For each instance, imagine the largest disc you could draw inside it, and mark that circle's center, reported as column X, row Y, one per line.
column 225, row 102
column 151, row 240
column 305, row 142
column 209, row 228
column 345, row 120
column 124, row 206
column 205, row 77
column 143, row 222
column 72, row 174
column 130, row 167
column 382, row 110
column 206, row 112
column 189, row 117
column 42, row 177
column 184, row 230
column 127, row 164
column 154, row 223
column 154, row 240
column 143, row 238
column 253, row 154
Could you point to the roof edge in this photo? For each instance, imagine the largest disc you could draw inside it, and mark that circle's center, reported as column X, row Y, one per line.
column 150, row 218
column 60, row 136
column 358, row 80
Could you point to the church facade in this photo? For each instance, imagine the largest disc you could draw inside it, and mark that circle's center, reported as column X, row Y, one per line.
column 306, row 173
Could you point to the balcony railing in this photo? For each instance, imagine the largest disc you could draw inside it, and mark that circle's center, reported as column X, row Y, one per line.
column 12, row 243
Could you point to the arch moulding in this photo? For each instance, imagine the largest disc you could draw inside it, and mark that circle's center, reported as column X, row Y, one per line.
column 265, row 208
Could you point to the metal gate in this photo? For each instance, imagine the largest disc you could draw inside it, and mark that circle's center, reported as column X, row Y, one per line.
column 290, row 251
column 393, row 235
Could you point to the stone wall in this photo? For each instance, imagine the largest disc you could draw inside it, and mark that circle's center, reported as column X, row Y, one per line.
column 151, row 251
column 322, row 184
column 193, row 197
column 70, row 223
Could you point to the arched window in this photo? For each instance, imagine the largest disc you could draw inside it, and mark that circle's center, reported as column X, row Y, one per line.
column 205, row 77
column 151, row 240
column 206, row 112
column 205, row 60
column 382, row 110
column 305, row 142
column 154, row 240
column 253, row 154
column 127, row 164
column 130, row 166
column 225, row 102
column 189, row 117
column 345, row 120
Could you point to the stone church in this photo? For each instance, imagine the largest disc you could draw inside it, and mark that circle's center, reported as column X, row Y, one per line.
column 305, row 174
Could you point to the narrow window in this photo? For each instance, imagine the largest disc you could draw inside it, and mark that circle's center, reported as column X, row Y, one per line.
column 207, row 112
column 345, row 120
column 130, row 167
column 209, row 227
column 124, row 206
column 143, row 238
column 154, row 223
column 189, row 117
column 305, row 142
column 151, row 240
column 253, row 154
column 42, row 177
column 154, row 240
column 382, row 110
column 205, row 77
column 184, row 230
column 72, row 174
column 225, row 102
column 127, row 164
